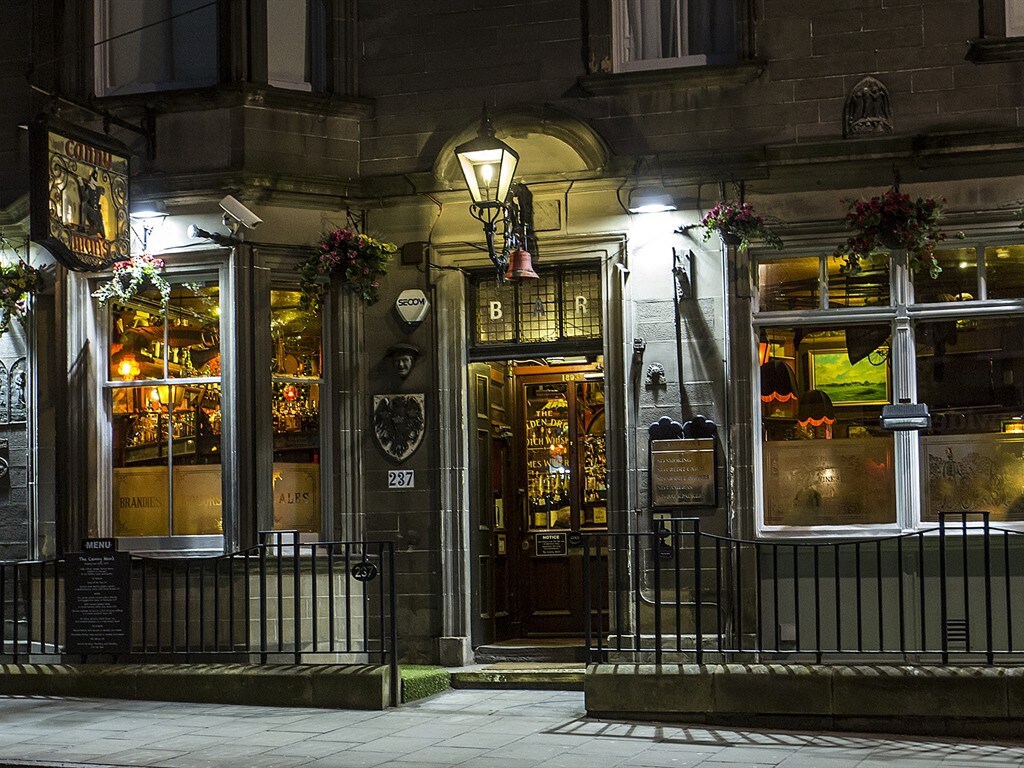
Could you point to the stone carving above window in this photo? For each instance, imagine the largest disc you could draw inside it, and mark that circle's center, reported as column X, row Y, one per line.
column 867, row 111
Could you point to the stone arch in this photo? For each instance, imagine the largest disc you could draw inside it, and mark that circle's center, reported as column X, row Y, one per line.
column 569, row 145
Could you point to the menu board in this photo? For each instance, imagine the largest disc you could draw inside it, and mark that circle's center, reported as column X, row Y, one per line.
column 683, row 473
column 96, row 599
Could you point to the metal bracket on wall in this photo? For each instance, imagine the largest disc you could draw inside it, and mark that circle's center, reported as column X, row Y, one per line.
column 682, row 269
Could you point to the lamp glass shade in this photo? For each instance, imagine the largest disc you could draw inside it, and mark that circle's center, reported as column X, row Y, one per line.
column 778, row 384
column 651, row 200
column 147, row 209
column 764, row 349
column 816, row 409
column 488, row 166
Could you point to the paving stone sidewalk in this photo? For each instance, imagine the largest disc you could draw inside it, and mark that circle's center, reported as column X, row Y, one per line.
column 482, row 729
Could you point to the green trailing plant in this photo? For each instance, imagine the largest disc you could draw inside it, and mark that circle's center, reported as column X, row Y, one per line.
column 894, row 221
column 353, row 260
column 17, row 281
column 131, row 276
column 739, row 224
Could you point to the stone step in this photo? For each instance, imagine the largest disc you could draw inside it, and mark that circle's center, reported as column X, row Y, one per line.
column 521, row 676
column 531, row 652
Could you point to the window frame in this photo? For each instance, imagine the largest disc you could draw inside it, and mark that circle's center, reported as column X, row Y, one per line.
column 685, row 60
column 283, row 277
column 201, row 266
column 903, row 314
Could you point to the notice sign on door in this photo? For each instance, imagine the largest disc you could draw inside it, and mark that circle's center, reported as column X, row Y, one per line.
column 551, row 544
column 683, row 473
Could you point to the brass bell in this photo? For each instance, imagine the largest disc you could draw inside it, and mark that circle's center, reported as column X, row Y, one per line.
column 520, row 265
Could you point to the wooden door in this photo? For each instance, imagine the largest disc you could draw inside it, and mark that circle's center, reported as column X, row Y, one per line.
column 562, row 464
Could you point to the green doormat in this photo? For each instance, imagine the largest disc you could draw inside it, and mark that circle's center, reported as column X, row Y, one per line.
column 420, row 681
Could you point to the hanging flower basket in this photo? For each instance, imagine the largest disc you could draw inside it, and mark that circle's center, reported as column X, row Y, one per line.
column 356, row 261
column 893, row 221
column 132, row 276
column 17, row 281
column 738, row 224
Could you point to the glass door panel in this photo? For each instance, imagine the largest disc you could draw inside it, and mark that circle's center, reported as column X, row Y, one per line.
column 590, row 436
column 548, row 461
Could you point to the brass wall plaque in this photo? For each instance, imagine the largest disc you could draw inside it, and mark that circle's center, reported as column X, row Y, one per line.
column 683, row 473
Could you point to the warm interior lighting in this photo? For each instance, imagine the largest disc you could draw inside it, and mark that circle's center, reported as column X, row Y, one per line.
column 128, row 369
column 764, row 349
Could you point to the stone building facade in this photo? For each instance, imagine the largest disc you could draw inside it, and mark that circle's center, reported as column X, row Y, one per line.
column 764, row 100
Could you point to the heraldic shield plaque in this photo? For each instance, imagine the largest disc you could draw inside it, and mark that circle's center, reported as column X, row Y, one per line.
column 79, row 195
column 398, row 424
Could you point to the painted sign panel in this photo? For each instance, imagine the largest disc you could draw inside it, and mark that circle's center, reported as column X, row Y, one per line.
column 401, row 478
column 97, row 608
column 683, row 473
column 551, row 544
column 79, row 195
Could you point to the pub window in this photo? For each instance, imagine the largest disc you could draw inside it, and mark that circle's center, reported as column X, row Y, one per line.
column 661, row 34
column 164, row 394
column 154, row 45
column 970, row 371
column 563, row 305
column 296, row 385
column 826, row 460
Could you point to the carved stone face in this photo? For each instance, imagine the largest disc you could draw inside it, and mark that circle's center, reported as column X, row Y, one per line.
column 403, row 364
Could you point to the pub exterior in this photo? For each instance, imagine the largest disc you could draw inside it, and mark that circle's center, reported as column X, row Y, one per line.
column 237, row 408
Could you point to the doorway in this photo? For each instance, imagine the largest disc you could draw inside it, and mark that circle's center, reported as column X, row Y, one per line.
column 538, row 486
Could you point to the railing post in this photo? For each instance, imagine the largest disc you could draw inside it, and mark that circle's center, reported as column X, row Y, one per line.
column 698, row 592
column 989, row 653
column 656, row 545
column 395, row 675
column 943, row 611
column 586, row 597
column 263, row 598
column 297, row 596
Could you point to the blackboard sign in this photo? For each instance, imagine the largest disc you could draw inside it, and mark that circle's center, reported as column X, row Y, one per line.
column 551, row 544
column 96, row 599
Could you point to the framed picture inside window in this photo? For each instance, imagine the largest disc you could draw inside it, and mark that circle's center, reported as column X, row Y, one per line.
column 846, row 383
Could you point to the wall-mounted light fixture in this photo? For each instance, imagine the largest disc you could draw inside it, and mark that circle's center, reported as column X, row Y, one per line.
column 650, row 200
column 148, row 213
column 488, row 166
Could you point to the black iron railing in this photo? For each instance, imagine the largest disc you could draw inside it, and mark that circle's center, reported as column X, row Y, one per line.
column 282, row 600
column 679, row 594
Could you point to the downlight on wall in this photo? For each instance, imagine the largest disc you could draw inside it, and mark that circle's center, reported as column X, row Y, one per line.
column 651, row 200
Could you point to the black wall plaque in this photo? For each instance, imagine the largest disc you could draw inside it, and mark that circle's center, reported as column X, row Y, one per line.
column 97, row 607
column 551, row 544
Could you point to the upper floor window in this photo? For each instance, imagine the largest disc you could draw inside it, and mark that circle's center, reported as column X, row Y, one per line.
column 660, row 34
column 154, row 45
column 296, row 44
column 1014, row 13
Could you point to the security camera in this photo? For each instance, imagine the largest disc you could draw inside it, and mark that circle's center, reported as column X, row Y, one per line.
column 235, row 212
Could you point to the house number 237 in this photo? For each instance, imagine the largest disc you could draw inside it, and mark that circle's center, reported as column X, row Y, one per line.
column 401, row 478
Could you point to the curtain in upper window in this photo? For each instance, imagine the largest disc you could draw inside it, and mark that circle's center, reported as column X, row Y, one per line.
column 152, row 45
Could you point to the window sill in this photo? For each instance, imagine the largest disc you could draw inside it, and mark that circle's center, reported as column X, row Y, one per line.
column 996, row 49
column 240, row 94
column 732, row 75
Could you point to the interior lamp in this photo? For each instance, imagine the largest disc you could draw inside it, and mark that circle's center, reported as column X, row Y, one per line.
column 128, row 368
column 816, row 409
column 778, row 384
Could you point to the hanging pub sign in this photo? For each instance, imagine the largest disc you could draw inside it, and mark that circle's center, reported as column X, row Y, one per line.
column 79, row 195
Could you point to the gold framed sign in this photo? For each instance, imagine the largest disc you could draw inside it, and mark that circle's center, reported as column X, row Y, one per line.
column 683, row 473
column 79, row 195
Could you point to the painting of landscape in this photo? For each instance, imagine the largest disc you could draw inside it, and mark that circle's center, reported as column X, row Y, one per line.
column 844, row 383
